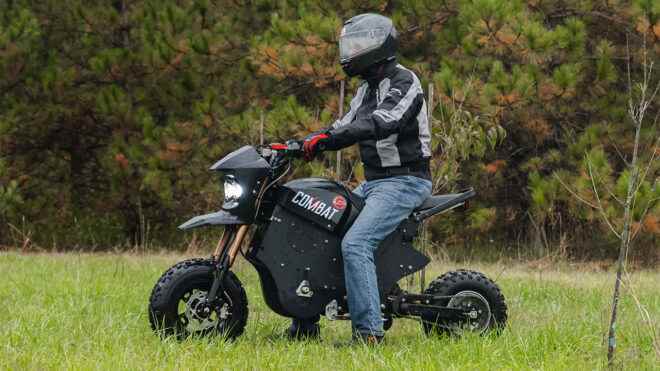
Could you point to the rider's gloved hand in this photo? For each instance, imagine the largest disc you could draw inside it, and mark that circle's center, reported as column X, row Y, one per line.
column 314, row 144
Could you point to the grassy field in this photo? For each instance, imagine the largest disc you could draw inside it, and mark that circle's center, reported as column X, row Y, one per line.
column 75, row 311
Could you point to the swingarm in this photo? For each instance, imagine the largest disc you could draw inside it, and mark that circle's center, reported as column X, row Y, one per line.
column 407, row 304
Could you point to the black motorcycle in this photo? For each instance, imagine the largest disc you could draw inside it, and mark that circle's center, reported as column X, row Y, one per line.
column 296, row 230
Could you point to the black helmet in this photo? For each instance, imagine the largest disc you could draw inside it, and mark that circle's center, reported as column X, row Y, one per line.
column 366, row 40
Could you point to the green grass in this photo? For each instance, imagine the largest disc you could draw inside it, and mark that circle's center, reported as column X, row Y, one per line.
column 75, row 311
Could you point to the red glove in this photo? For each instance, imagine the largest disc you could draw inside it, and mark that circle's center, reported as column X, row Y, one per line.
column 311, row 145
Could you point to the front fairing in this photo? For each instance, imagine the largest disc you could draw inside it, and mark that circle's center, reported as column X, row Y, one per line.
column 250, row 170
column 244, row 158
column 218, row 218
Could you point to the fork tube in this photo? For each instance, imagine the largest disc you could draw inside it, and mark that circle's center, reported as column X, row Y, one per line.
column 236, row 245
column 225, row 261
column 222, row 243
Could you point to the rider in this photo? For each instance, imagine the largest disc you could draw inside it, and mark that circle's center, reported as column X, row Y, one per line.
column 387, row 118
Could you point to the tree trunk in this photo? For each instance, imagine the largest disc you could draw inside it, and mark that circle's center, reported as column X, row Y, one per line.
column 623, row 249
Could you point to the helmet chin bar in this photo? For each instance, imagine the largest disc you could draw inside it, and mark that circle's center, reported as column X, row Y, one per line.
column 371, row 72
column 377, row 71
column 349, row 70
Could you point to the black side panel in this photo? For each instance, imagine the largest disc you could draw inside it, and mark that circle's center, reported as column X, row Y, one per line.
column 294, row 250
column 268, row 287
column 396, row 257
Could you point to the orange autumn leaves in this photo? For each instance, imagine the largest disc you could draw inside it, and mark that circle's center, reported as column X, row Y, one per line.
column 495, row 166
column 310, row 59
column 121, row 161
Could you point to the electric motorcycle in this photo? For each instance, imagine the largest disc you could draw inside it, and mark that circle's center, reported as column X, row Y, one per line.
column 291, row 233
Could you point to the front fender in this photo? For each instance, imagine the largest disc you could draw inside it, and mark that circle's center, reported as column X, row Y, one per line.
column 218, row 218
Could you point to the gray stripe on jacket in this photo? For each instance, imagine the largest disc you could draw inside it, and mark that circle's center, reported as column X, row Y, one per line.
column 356, row 102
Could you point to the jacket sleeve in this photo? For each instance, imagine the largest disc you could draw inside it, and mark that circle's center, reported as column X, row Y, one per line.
column 401, row 104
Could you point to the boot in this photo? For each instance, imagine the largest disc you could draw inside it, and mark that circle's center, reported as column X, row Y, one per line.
column 366, row 339
column 304, row 329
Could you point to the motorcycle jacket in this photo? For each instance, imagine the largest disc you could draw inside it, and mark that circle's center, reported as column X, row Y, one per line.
column 387, row 118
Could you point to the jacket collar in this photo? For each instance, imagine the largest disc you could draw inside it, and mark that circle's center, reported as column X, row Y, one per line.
column 387, row 70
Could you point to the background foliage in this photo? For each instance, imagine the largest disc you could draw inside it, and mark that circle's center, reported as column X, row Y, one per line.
column 111, row 112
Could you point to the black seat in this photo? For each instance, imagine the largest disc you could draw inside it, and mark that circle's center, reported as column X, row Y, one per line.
column 436, row 200
column 438, row 203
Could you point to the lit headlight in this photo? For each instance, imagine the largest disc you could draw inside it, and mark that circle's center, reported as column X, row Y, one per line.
column 233, row 192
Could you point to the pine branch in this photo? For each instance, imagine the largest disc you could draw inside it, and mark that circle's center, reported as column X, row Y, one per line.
column 598, row 201
column 578, row 197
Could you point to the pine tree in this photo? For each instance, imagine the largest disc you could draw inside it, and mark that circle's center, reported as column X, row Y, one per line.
column 111, row 112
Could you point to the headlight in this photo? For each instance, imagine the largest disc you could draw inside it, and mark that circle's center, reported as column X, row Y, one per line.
column 233, row 192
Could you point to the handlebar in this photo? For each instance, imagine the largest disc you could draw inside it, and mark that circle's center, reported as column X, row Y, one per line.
column 292, row 148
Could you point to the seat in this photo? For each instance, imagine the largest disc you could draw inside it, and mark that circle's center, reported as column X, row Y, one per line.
column 436, row 200
column 438, row 203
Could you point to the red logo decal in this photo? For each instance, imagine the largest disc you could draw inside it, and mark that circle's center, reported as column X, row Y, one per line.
column 339, row 203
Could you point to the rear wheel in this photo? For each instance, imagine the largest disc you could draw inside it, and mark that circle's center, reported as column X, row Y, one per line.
column 472, row 292
column 178, row 303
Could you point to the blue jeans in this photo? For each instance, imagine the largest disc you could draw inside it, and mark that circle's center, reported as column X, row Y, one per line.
column 388, row 202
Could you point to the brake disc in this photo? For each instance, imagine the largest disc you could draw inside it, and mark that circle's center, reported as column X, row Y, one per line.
column 199, row 316
column 477, row 310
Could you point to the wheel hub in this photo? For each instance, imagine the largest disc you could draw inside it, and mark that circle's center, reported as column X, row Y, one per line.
column 198, row 313
column 477, row 310
column 203, row 310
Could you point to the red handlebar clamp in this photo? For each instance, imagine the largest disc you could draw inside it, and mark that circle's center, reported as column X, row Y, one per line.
column 278, row 146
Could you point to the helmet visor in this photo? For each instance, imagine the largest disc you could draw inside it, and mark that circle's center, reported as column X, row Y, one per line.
column 355, row 43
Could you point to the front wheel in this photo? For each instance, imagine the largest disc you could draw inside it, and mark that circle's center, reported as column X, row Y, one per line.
column 178, row 303
column 472, row 292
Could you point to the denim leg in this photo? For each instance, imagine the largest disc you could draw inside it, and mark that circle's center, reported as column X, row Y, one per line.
column 388, row 202
column 359, row 190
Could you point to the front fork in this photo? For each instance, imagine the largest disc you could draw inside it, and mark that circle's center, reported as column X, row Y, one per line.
column 224, row 257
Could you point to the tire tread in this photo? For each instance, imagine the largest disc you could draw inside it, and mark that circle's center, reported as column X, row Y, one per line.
column 446, row 284
column 159, row 298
